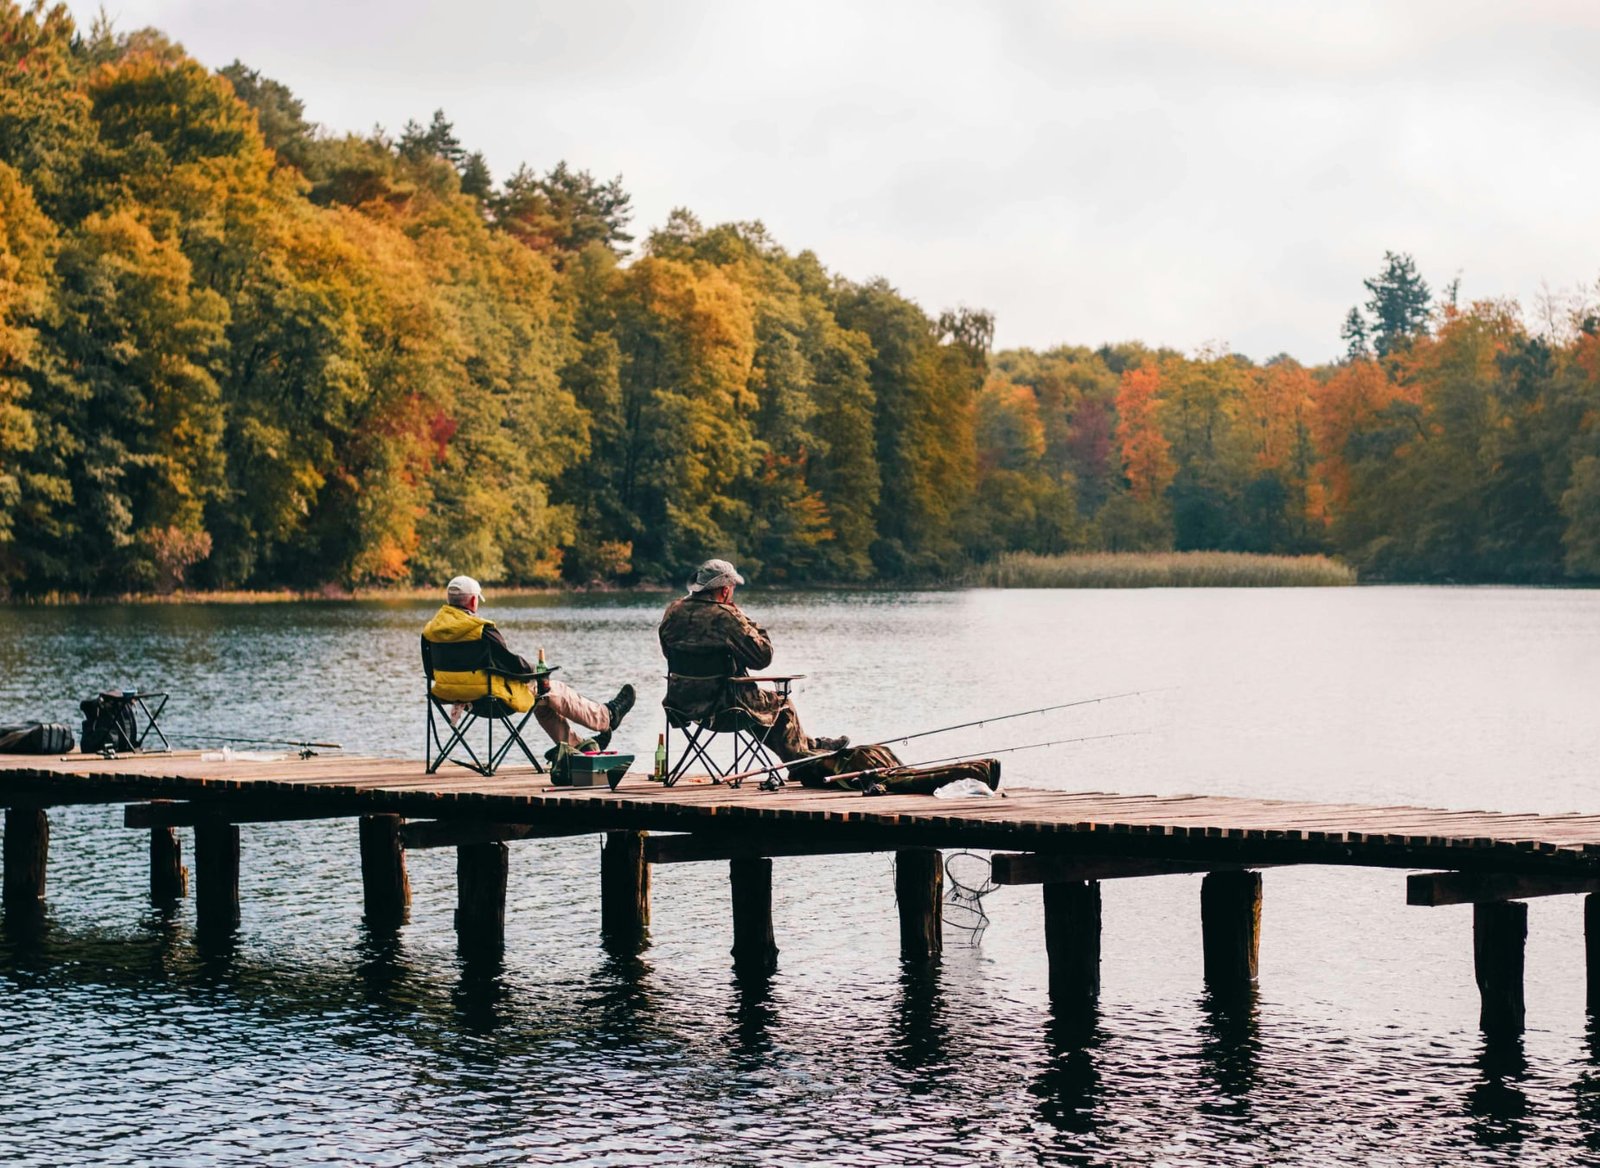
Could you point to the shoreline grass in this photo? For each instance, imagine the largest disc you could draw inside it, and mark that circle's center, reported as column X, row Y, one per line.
column 1011, row 570
column 1159, row 570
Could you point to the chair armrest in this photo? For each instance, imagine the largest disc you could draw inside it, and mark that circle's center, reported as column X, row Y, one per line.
column 769, row 677
column 510, row 676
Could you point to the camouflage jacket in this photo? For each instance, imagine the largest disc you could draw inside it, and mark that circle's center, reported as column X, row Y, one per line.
column 705, row 643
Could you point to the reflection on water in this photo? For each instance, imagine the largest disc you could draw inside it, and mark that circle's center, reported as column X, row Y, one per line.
column 1230, row 1048
column 752, row 1015
column 1068, row 1088
column 921, row 1032
column 1496, row 1101
column 305, row 1037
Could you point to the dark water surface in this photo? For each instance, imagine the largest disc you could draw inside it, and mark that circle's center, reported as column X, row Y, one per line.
column 308, row 1041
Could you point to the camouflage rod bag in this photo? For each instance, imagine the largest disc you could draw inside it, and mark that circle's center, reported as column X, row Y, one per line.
column 889, row 776
column 819, row 772
column 925, row 780
column 35, row 738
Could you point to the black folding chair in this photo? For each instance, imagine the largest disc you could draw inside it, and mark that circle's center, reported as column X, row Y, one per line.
column 748, row 738
column 444, row 737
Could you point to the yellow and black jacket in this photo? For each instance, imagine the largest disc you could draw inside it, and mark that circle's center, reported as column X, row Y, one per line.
column 458, row 650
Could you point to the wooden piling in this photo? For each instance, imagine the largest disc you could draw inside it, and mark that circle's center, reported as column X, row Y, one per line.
column 919, row 892
column 481, row 872
column 1591, row 946
column 1499, row 936
column 27, row 850
column 1230, row 926
column 169, row 879
column 385, row 888
column 624, row 890
column 1072, row 940
column 755, row 949
column 216, row 862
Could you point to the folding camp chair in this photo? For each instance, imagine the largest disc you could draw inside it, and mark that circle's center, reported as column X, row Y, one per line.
column 748, row 738
column 444, row 737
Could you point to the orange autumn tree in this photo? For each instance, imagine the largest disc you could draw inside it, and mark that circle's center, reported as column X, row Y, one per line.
column 1139, row 518
column 1146, row 453
column 1276, row 413
column 1344, row 407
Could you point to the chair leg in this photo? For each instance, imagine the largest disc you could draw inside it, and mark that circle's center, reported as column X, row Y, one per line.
column 693, row 750
column 459, row 737
column 437, row 748
column 514, row 738
column 702, row 750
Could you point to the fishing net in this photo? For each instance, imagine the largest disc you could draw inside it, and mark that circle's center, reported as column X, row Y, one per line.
column 967, row 880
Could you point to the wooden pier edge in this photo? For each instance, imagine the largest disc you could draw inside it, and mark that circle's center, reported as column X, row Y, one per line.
column 1067, row 841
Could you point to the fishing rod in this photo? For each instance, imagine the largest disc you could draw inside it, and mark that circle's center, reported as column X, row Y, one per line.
column 980, row 754
column 735, row 780
column 1005, row 717
column 307, row 749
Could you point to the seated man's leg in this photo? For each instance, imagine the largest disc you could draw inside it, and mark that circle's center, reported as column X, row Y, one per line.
column 562, row 705
column 786, row 738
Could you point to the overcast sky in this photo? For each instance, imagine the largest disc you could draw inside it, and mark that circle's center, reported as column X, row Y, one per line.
column 1177, row 172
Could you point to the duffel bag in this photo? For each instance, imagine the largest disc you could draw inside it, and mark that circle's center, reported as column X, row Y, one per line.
column 35, row 738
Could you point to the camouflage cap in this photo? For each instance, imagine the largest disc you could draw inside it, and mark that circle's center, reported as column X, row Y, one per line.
column 714, row 574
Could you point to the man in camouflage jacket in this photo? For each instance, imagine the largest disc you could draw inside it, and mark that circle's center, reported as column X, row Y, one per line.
column 702, row 635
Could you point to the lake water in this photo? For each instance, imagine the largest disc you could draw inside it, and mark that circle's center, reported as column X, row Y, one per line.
column 309, row 1042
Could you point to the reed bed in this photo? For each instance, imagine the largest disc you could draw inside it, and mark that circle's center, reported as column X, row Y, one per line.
column 1159, row 570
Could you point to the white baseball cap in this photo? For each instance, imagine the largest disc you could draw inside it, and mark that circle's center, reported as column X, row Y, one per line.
column 461, row 587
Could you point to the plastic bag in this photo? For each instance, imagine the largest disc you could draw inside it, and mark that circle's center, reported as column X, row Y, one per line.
column 229, row 754
column 963, row 789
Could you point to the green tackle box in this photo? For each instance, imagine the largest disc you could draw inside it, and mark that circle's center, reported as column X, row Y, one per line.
column 590, row 770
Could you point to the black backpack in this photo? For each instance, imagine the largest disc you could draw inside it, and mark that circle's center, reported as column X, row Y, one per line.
column 108, row 724
column 35, row 738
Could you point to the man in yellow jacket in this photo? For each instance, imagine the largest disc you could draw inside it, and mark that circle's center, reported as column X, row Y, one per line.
column 452, row 648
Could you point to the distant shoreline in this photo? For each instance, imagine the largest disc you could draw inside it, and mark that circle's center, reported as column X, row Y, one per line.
column 1069, row 571
column 1012, row 570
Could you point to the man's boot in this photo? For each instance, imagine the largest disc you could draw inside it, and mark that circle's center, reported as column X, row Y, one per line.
column 620, row 705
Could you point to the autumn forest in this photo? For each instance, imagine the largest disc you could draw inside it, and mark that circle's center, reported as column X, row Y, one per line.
column 238, row 350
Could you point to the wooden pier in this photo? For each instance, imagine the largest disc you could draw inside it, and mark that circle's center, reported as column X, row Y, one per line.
column 1067, row 842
